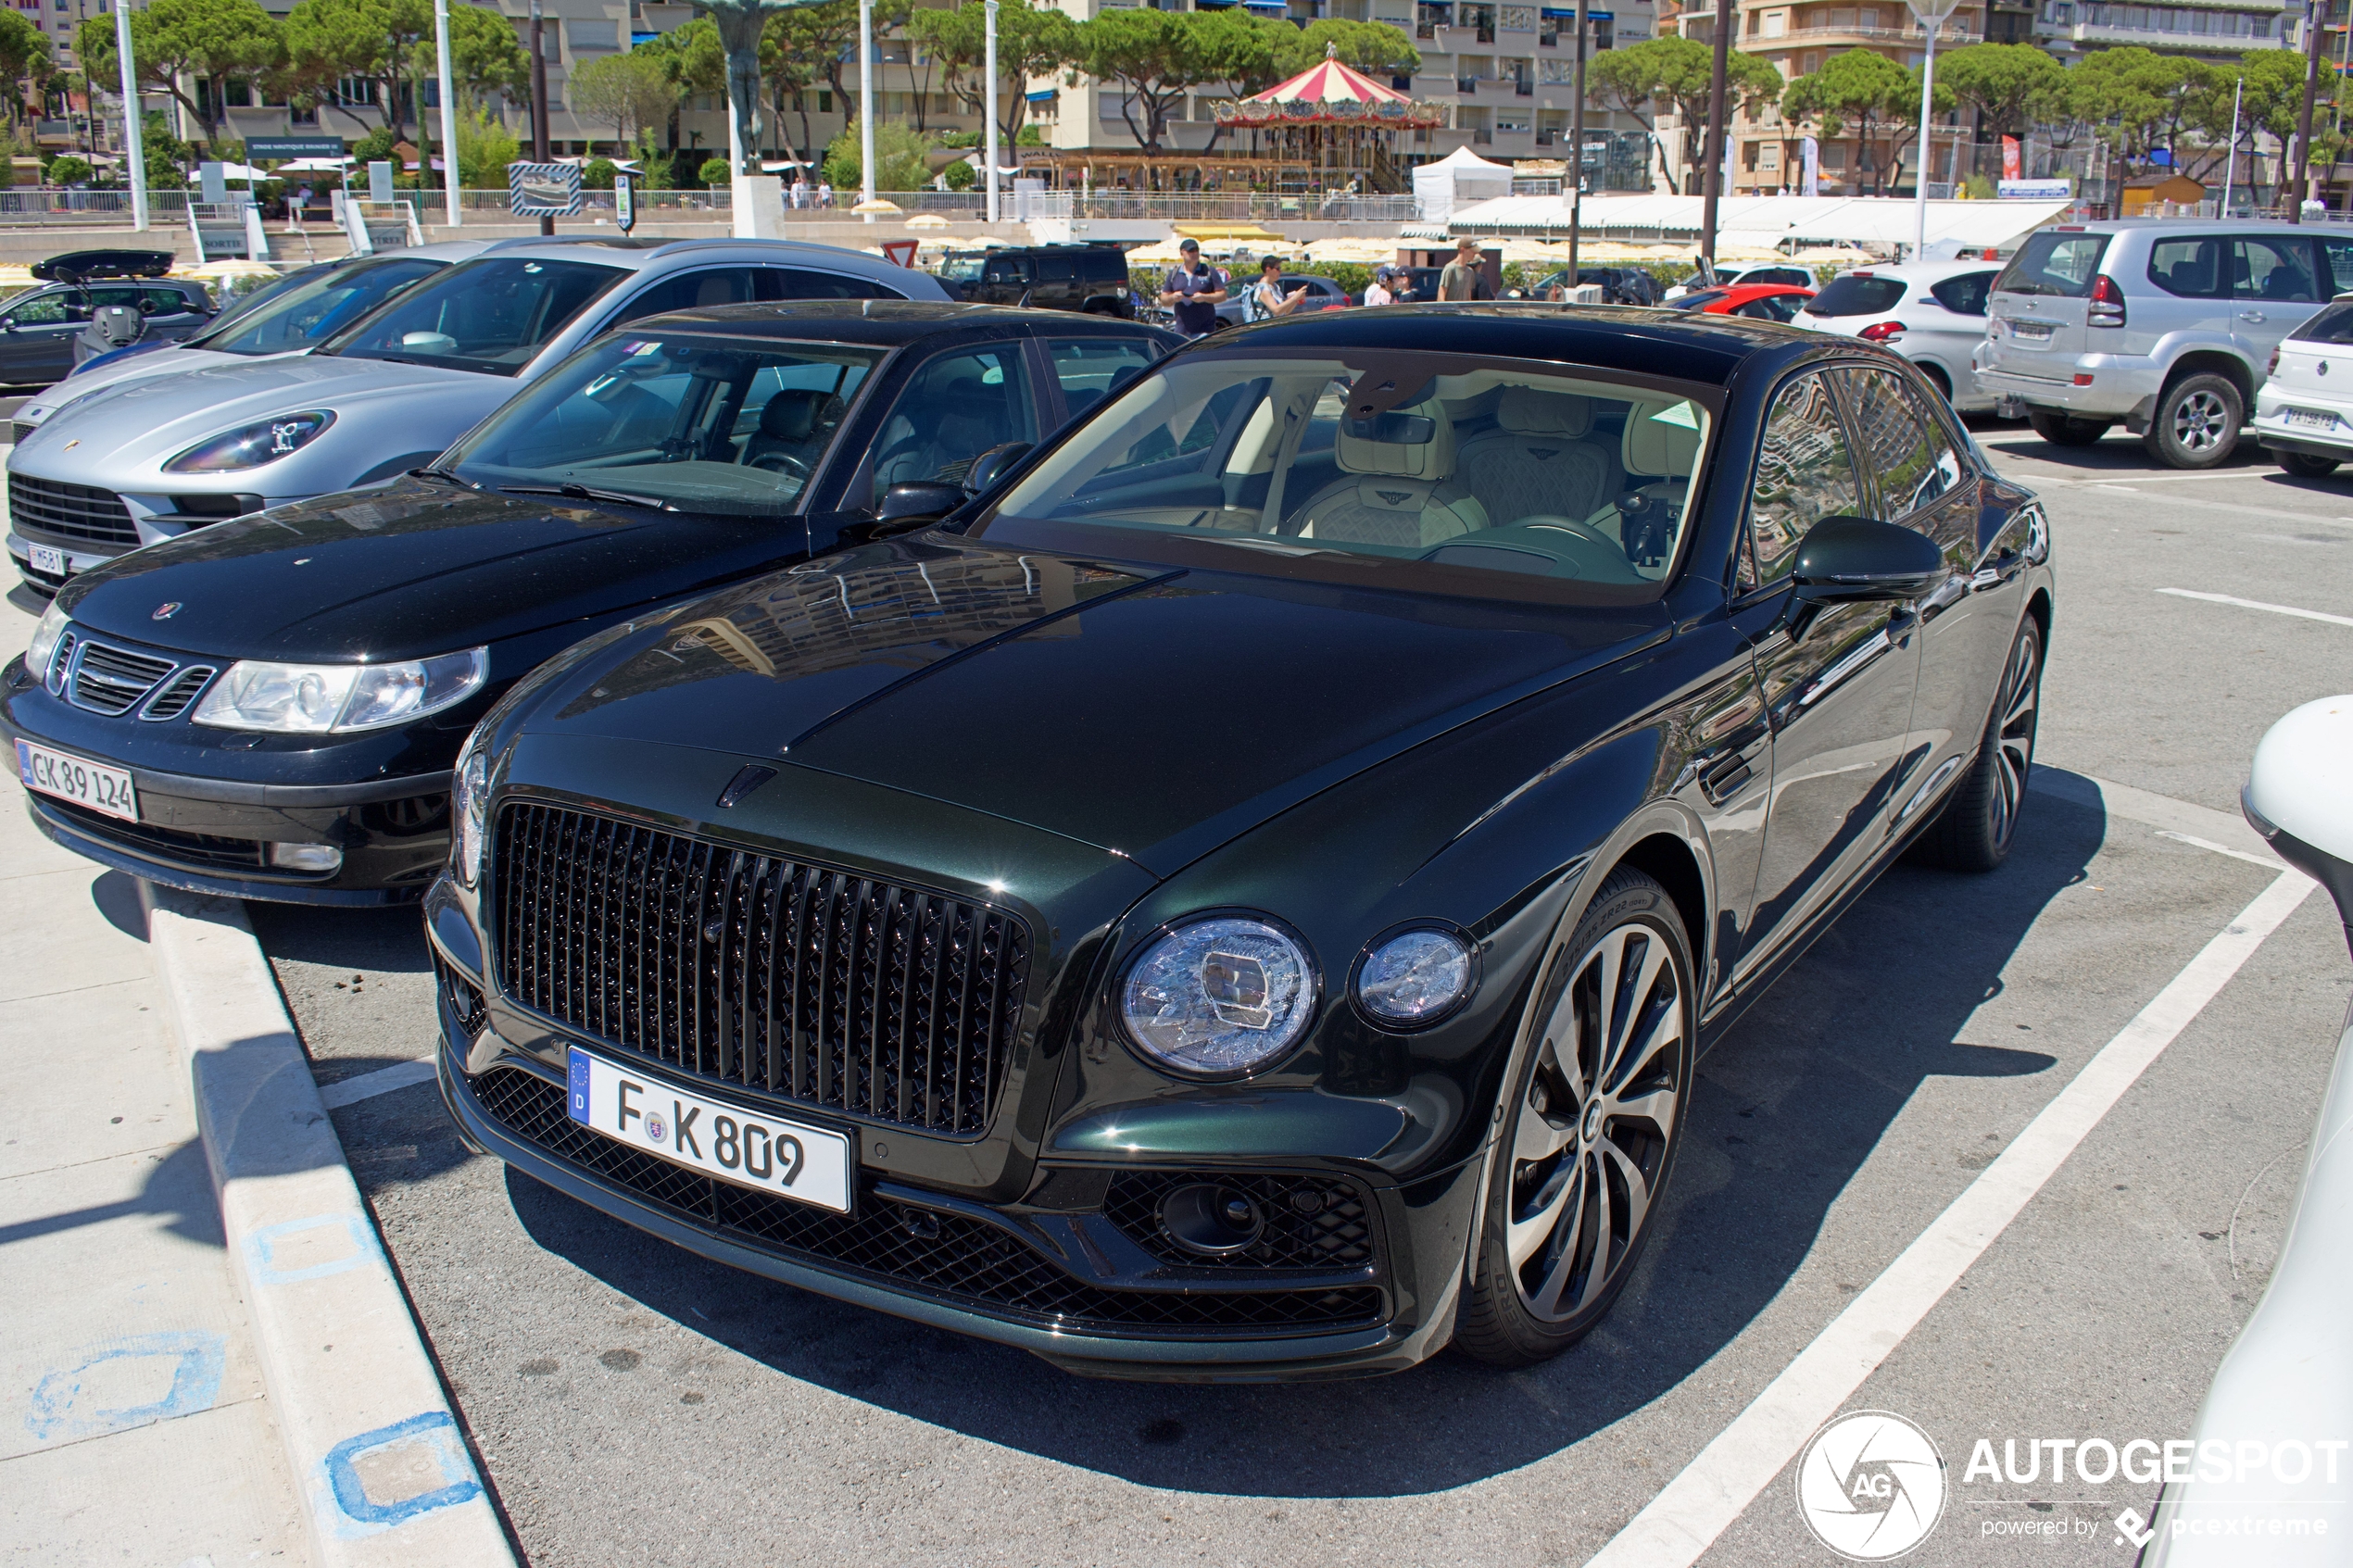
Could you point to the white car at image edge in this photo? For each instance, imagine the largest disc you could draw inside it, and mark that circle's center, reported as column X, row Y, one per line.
column 2304, row 411
column 1931, row 312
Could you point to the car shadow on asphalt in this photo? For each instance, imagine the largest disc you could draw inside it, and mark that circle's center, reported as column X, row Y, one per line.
column 1785, row 1112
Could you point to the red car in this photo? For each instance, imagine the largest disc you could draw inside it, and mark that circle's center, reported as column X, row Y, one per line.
column 1763, row 302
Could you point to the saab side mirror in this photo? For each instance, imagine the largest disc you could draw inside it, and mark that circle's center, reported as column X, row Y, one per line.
column 1860, row 560
column 992, row 464
column 917, row 501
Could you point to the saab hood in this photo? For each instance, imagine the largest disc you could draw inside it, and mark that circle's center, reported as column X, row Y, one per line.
column 1154, row 712
column 415, row 569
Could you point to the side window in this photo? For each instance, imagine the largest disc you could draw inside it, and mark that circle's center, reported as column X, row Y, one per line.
column 792, row 283
column 1087, row 366
column 1899, row 442
column 1104, row 266
column 1804, row 472
column 2338, row 254
column 2189, row 268
column 688, row 291
column 117, row 293
column 951, row 411
column 39, row 310
column 1006, row 269
column 164, row 302
column 2263, row 268
column 1964, row 295
column 1057, row 268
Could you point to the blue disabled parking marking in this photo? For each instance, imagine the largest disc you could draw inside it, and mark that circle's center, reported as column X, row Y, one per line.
column 65, row 1406
column 434, row 1435
column 261, row 1248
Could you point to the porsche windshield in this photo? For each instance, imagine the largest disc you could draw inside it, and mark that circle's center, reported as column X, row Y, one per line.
column 1496, row 466
column 698, row 424
column 310, row 309
column 492, row 315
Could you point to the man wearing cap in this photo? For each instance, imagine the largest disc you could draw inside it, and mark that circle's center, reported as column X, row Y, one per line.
column 1466, row 276
column 1194, row 290
column 1376, row 292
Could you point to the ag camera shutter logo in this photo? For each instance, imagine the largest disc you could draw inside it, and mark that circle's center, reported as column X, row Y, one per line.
column 1871, row 1485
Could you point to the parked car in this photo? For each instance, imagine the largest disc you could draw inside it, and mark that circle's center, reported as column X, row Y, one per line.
column 37, row 328
column 269, row 709
column 157, row 457
column 1322, row 293
column 2303, row 420
column 1931, row 312
column 1243, row 898
column 1092, row 279
column 1755, row 272
column 2164, row 325
column 1759, row 302
column 1620, row 285
column 2287, row 1382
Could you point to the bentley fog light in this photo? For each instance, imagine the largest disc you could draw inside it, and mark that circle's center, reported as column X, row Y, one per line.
column 469, row 795
column 1220, row 998
column 45, row 636
column 1414, row 977
column 254, row 445
column 315, row 698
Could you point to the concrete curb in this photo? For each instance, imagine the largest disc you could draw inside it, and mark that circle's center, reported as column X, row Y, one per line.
column 375, row 1449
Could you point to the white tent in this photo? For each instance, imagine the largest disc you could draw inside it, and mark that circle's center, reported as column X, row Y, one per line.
column 1462, row 177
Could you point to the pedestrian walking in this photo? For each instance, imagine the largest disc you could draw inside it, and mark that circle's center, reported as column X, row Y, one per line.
column 1466, row 276
column 1194, row 290
column 1377, row 290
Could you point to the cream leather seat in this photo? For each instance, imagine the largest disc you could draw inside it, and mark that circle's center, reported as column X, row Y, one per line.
column 1652, row 448
column 1538, row 460
column 1393, row 493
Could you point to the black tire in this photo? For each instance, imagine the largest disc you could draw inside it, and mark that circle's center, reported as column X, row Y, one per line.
column 2064, row 429
column 1573, row 1210
column 2305, row 467
column 1978, row 822
column 2197, row 421
column 1939, row 380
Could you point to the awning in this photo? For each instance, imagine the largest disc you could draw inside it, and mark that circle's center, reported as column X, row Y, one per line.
column 1883, row 221
column 1045, row 96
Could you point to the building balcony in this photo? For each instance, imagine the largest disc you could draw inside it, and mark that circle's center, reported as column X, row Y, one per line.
column 2102, row 35
column 1829, row 35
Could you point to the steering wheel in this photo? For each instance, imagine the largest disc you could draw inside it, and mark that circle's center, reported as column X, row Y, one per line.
column 784, row 463
column 1586, row 531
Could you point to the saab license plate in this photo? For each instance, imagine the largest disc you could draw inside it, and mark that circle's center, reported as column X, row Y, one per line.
column 768, row 1154
column 49, row 559
column 2310, row 419
column 103, row 790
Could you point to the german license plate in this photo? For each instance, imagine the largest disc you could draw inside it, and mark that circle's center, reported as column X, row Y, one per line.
column 2030, row 331
column 49, row 559
column 2310, row 419
column 770, row 1154
column 103, row 790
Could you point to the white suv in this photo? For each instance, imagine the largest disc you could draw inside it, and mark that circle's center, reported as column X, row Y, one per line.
column 2163, row 325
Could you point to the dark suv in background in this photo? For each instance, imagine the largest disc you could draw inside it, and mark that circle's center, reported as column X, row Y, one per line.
column 1089, row 277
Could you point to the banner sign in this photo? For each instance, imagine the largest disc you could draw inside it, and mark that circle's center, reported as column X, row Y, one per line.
column 625, row 201
column 543, row 190
column 1809, row 182
column 2010, row 169
column 2035, row 190
column 276, row 147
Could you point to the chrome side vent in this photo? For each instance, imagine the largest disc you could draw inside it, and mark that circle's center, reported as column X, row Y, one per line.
column 61, row 660
column 177, row 694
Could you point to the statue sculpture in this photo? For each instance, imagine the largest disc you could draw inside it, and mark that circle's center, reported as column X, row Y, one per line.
column 741, row 25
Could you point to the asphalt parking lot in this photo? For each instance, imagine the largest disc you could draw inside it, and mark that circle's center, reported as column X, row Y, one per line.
column 633, row 1404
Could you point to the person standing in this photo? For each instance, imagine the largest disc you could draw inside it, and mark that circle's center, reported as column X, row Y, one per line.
column 1194, row 290
column 1377, row 292
column 801, row 191
column 1466, row 276
column 1268, row 300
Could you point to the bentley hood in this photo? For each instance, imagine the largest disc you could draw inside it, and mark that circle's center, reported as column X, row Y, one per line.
column 1151, row 711
column 415, row 569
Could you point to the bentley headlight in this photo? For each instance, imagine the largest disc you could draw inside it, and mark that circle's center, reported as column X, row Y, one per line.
column 1221, row 998
column 38, row 652
column 252, row 445
column 1415, row 977
column 469, row 798
column 317, row 698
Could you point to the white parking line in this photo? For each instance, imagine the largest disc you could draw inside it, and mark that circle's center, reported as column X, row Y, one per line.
column 1699, row 1504
column 2258, row 604
column 368, row 1086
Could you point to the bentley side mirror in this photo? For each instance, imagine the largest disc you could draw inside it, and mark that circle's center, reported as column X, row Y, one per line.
column 917, row 501
column 986, row 470
column 1860, row 560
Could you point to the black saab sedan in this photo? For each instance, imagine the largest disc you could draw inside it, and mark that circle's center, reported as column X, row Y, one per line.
column 269, row 709
column 1243, row 898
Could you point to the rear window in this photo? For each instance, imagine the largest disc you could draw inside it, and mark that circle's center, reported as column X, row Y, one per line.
column 2060, row 265
column 1857, row 294
column 1964, row 295
column 2330, row 323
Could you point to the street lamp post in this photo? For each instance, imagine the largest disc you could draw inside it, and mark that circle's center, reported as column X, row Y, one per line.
column 990, row 143
column 2314, row 14
column 539, row 102
column 133, row 140
column 1576, row 152
column 1712, row 177
column 866, row 104
column 448, row 109
column 1932, row 15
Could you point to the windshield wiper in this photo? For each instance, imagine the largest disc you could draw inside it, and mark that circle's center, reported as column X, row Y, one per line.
column 590, row 493
column 443, row 473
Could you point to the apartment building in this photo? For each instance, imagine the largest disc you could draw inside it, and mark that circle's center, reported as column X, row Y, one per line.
column 2206, row 28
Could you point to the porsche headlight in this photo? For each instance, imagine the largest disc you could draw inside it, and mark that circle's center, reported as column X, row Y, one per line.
column 469, row 799
column 1415, row 977
column 37, row 653
column 1220, row 998
column 318, row 699
column 255, row 445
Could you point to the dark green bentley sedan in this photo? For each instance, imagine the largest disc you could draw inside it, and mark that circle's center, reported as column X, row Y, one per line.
column 1239, row 892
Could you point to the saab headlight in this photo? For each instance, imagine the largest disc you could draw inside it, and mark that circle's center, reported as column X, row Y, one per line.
column 1220, row 998
column 469, row 800
column 1415, row 977
column 255, row 445
column 318, row 699
column 45, row 636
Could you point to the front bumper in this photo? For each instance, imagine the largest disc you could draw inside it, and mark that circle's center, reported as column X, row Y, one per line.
column 76, row 559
